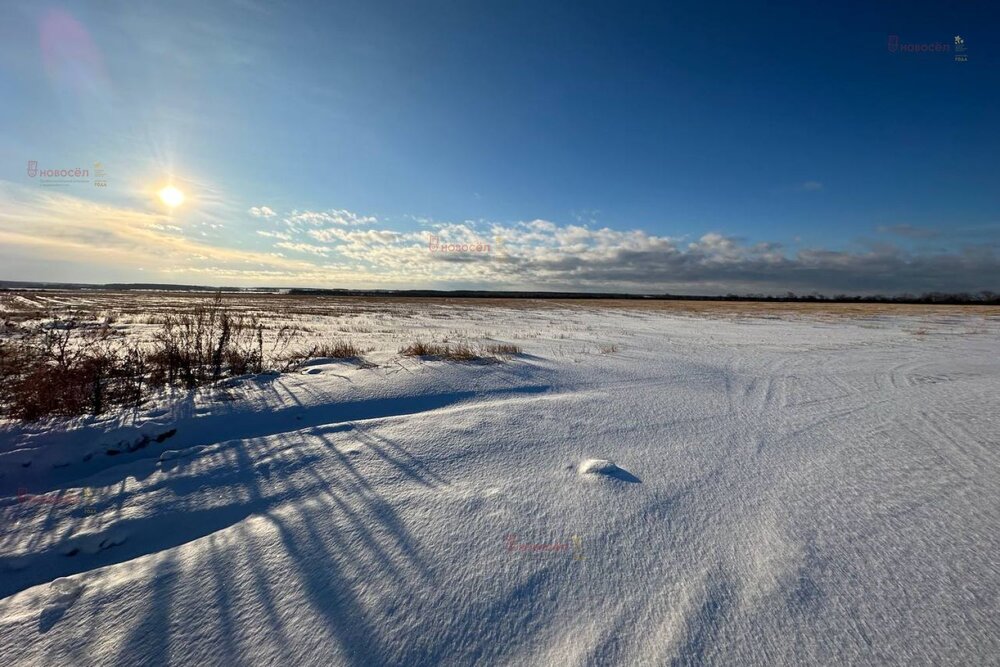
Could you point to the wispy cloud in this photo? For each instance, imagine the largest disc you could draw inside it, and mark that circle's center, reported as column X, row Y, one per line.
column 262, row 212
column 56, row 226
column 534, row 254
column 304, row 247
column 339, row 217
column 909, row 231
column 274, row 235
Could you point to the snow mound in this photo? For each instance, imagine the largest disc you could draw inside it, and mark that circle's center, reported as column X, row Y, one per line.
column 173, row 454
column 93, row 543
column 63, row 592
column 606, row 468
column 597, row 466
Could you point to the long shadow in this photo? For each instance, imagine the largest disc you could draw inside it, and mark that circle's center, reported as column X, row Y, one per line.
column 240, row 476
column 245, row 424
column 142, row 537
column 148, row 641
column 376, row 544
column 330, row 592
column 341, row 534
column 399, row 458
column 515, row 615
column 703, row 627
column 375, row 505
column 623, row 475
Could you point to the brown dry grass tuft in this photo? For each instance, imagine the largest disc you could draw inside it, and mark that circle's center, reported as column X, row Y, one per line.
column 503, row 350
column 338, row 350
column 460, row 351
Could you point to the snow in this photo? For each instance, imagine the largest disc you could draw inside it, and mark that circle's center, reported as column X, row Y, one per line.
column 722, row 490
column 602, row 468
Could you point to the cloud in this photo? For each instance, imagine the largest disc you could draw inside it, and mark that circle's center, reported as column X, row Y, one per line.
column 275, row 235
column 262, row 212
column 166, row 228
column 41, row 228
column 366, row 237
column 304, row 247
column 811, row 186
column 340, row 217
column 909, row 231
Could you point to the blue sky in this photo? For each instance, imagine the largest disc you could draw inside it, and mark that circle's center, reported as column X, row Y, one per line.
column 696, row 147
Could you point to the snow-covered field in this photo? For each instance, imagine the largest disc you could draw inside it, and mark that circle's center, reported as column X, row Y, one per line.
column 638, row 487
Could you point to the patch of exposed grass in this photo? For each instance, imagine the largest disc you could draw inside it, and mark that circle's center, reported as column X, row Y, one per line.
column 502, row 350
column 422, row 349
column 457, row 352
column 460, row 351
column 338, row 350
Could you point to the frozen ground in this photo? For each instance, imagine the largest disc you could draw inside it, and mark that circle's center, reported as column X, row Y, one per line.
column 639, row 487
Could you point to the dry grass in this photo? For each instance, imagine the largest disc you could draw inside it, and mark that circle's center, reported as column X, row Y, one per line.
column 502, row 350
column 460, row 351
column 457, row 352
column 154, row 307
column 67, row 373
column 338, row 350
column 68, row 368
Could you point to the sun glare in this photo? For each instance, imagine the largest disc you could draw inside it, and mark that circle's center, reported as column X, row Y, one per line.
column 171, row 196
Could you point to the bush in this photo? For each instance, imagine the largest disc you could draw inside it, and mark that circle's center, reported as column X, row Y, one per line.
column 203, row 346
column 60, row 369
column 97, row 374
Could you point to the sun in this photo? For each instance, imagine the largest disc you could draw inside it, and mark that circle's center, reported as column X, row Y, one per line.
column 171, row 196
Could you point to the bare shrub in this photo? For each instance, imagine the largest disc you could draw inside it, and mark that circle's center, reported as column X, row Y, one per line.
column 17, row 363
column 67, row 380
column 205, row 345
column 65, row 369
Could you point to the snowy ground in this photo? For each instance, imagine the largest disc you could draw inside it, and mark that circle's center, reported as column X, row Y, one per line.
column 785, row 490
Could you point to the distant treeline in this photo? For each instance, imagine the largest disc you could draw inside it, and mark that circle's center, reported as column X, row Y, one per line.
column 944, row 298
column 11, row 285
column 984, row 297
